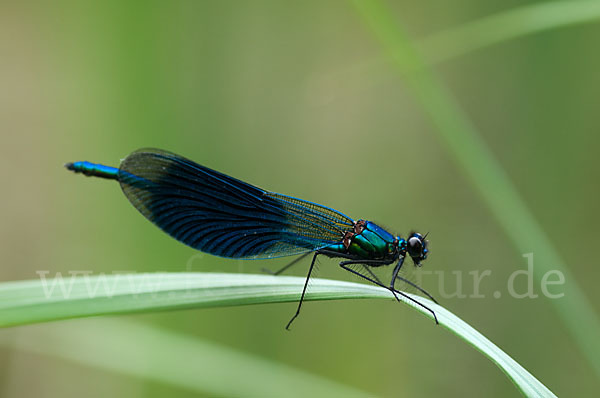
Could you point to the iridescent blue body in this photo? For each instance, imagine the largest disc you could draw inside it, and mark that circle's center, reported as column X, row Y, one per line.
column 94, row 169
column 226, row 217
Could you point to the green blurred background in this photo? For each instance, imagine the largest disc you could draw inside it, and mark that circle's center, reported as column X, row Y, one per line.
column 298, row 98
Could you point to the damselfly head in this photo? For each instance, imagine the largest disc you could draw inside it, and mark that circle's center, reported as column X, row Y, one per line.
column 416, row 246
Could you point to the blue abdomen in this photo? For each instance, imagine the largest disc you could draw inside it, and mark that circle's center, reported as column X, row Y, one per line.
column 94, row 170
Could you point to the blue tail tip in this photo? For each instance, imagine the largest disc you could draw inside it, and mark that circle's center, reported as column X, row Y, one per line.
column 93, row 170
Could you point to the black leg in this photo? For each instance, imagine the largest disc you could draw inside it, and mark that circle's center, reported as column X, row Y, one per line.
column 303, row 291
column 396, row 270
column 268, row 271
column 376, row 263
column 344, row 264
column 418, row 288
column 395, row 276
column 375, row 280
column 366, row 267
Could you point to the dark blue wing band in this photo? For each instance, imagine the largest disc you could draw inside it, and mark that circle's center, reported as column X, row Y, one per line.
column 221, row 215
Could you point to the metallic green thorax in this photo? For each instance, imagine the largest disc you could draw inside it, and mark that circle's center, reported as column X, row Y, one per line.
column 369, row 241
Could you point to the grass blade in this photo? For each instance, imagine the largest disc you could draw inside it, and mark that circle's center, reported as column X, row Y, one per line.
column 163, row 356
column 43, row 300
column 503, row 26
column 34, row 301
column 478, row 34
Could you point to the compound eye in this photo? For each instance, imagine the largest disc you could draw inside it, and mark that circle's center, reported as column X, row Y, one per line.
column 415, row 245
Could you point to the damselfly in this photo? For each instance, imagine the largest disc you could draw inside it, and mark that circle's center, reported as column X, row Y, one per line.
column 226, row 217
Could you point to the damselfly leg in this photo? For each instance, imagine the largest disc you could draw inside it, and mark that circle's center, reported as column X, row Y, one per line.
column 312, row 264
column 284, row 268
column 344, row 265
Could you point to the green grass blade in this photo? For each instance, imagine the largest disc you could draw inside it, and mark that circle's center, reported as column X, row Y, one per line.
column 171, row 358
column 487, row 176
column 33, row 301
column 42, row 300
column 507, row 25
column 479, row 34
